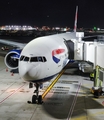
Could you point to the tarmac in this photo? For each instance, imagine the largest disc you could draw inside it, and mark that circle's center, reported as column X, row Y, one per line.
column 69, row 99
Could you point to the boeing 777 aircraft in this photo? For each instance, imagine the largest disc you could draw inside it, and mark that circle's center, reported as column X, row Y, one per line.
column 41, row 59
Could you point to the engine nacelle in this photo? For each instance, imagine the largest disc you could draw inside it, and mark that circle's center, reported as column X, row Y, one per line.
column 11, row 59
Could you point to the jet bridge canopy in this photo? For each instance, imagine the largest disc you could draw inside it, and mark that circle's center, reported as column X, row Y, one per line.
column 70, row 46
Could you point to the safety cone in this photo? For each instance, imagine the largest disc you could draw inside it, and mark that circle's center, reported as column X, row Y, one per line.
column 12, row 74
column 6, row 69
column 103, row 102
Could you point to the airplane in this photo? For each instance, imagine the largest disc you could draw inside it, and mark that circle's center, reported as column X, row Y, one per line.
column 41, row 59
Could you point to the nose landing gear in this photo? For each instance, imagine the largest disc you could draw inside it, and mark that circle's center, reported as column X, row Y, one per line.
column 36, row 99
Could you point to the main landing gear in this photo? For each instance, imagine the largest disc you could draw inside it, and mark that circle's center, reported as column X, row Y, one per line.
column 36, row 99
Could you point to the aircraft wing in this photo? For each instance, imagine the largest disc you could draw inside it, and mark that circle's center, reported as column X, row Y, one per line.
column 12, row 43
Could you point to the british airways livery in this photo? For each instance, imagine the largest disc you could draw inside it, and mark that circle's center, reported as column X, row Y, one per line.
column 57, row 52
column 41, row 59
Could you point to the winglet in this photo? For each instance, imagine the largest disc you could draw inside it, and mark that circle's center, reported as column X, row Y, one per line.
column 75, row 23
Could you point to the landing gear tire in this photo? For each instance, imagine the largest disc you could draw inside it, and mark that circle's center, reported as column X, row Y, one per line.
column 40, row 99
column 96, row 94
column 34, row 99
column 37, row 100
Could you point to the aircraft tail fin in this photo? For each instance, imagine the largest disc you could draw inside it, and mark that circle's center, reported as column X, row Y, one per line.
column 75, row 23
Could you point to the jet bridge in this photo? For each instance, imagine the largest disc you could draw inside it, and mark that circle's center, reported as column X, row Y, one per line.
column 80, row 51
column 98, row 88
column 90, row 55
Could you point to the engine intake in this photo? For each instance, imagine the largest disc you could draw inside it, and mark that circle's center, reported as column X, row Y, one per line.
column 12, row 58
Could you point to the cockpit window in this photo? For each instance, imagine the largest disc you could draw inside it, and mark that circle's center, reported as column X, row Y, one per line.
column 38, row 59
column 21, row 58
column 33, row 59
column 26, row 59
column 44, row 59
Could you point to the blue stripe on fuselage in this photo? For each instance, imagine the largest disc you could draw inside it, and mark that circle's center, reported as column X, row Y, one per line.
column 56, row 59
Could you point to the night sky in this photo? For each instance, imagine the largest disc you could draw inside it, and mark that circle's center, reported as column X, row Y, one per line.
column 52, row 12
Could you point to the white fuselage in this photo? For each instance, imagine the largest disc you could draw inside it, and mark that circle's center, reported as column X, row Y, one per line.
column 44, row 57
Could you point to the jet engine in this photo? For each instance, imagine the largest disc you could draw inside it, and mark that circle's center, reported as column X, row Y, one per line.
column 11, row 59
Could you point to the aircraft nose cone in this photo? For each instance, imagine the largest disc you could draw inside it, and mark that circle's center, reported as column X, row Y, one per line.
column 28, row 71
column 23, row 70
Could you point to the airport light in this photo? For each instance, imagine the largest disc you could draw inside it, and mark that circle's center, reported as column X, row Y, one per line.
column 95, row 28
column 98, row 29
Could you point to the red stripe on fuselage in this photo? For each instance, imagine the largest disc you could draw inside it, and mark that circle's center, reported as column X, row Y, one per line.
column 57, row 51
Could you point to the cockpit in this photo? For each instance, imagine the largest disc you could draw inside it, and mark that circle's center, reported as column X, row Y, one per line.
column 33, row 59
